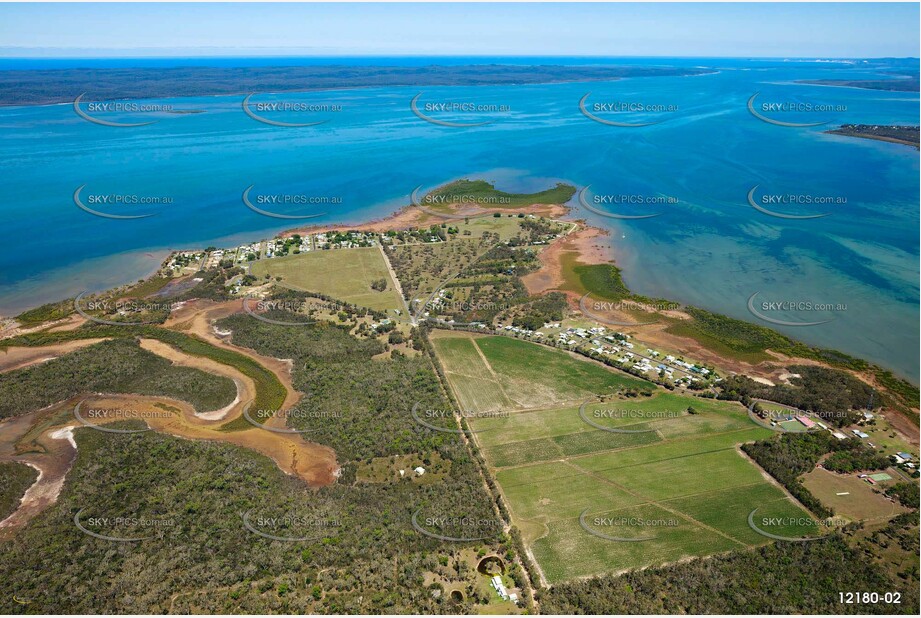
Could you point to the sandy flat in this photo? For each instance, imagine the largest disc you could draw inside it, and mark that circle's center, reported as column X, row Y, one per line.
column 18, row 358
column 246, row 388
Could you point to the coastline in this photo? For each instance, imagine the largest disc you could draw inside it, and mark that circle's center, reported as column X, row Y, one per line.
column 587, row 245
column 878, row 138
column 234, row 81
column 583, row 244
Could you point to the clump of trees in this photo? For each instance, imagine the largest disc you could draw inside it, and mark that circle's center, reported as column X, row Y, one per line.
column 379, row 285
column 834, row 395
column 15, row 479
column 788, row 456
column 546, row 308
column 906, row 493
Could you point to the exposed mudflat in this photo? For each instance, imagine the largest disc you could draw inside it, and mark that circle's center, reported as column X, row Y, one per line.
column 44, row 438
column 19, row 358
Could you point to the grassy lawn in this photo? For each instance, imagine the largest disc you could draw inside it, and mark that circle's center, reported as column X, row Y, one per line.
column 859, row 502
column 522, row 375
column 345, row 274
column 505, row 226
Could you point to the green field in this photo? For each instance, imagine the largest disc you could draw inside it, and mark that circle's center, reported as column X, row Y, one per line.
column 677, row 482
column 344, row 274
column 696, row 481
column 500, row 373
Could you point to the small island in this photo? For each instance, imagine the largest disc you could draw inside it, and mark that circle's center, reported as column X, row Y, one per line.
column 899, row 134
column 906, row 83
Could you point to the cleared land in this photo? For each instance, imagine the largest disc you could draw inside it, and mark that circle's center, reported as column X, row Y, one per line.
column 345, row 274
column 494, row 373
column 850, row 496
column 676, row 486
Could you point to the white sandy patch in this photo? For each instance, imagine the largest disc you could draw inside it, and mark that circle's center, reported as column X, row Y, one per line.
column 65, row 433
column 764, row 381
column 217, row 415
column 26, row 496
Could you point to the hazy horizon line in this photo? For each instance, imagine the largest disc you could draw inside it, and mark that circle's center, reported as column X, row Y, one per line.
column 295, row 54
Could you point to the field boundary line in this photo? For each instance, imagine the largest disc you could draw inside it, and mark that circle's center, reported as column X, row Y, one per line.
column 495, row 376
column 396, row 283
column 771, row 480
column 630, row 448
column 656, row 503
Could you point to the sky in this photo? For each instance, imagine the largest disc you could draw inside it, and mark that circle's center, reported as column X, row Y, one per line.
column 806, row 30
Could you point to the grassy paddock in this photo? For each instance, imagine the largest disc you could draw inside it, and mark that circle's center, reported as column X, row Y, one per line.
column 681, row 466
column 345, row 274
column 492, row 373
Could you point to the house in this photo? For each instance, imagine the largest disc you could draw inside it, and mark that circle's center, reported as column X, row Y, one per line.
column 807, row 423
column 905, row 456
column 419, row 470
column 496, row 583
column 860, row 434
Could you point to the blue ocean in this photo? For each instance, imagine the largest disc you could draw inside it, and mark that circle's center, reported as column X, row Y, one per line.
column 700, row 146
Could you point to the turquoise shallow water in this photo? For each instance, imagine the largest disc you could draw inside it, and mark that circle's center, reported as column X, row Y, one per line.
column 709, row 247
